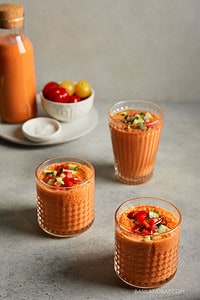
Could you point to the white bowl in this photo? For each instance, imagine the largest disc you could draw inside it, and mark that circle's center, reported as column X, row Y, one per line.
column 41, row 129
column 67, row 112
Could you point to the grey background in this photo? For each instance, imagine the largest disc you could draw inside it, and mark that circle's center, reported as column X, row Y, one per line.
column 141, row 49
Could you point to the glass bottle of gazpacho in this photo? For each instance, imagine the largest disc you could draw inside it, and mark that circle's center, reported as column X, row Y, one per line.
column 17, row 72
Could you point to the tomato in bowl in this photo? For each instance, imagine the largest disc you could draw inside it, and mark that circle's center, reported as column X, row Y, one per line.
column 64, row 105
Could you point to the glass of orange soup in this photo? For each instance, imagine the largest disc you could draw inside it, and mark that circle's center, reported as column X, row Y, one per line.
column 135, row 128
column 65, row 195
column 147, row 235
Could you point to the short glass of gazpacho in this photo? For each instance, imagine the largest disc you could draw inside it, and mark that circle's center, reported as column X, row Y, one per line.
column 147, row 236
column 135, row 128
column 65, row 195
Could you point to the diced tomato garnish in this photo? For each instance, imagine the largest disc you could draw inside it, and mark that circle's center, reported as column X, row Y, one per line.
column 57, row 168
column 140, row 216
column 143, row 224
column 57, row 184
column 149, row 126
column 62, row 175
column 67, row 181
column 62, row 166
column 145, row 232
column 136, row 228
column 70, row 183
column 146, row 224
column 157, row 221
column 76, row 180
column 153, row 228
column 152, row 221
column 68, row 174
column 131, row 215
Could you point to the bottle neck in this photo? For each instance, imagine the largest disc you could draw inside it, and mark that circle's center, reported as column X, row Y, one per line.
column 7, row 31
column 12, row 36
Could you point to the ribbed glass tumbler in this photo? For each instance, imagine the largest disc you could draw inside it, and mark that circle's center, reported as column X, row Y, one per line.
column 65, row 200
column 135, row 128
column 147, row 236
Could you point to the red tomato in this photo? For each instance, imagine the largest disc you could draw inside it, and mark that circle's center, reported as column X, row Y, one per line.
column 74, row 98
column 58, row 94
column 48, row 87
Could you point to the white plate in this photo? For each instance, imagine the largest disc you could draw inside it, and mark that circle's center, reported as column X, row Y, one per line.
column 70, row 131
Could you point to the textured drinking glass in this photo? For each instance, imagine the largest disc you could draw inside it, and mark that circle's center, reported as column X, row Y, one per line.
column 65, row 211
column 146, row 261
column 135, row 147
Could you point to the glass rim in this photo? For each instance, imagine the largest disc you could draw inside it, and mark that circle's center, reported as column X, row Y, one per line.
column 73, row 159
column 137, row 101
column 148, row 197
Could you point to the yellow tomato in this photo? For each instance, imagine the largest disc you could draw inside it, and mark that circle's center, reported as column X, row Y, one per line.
column 69, row 86
column 83, row 89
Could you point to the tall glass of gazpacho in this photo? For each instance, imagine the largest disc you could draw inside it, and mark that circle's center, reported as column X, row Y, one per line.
column 135, row 128
column 65, row 195
column 147, row 235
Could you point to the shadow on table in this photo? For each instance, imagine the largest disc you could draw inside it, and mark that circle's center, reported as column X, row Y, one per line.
column 104, row 171
column 93, row 269
column 19, row 220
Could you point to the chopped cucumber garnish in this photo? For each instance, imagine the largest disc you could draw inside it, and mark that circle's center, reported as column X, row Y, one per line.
column 148, row 115
column 72, row 167
column 50, row 181
column 147, row 238
column 162, row 228
column 48, row 172
column 59, row 180
column 153, row 214
column 156, row 237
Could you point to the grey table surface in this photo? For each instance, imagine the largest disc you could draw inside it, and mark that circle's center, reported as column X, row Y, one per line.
column 37, row 266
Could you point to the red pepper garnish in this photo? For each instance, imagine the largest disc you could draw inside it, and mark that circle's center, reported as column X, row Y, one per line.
column 153, row 228
column 136, row 229
column 152, row 221
column 146, row 224
column 68, row 174
column 140, row 216
column 157, row 221
column 131, row 215
column 143, row 224
column 145, row 232
column 67, row 182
